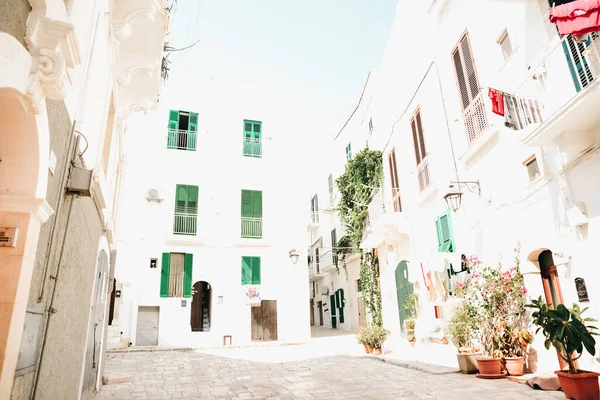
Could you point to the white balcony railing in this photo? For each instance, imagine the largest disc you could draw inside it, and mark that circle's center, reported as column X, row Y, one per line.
column 423, row 175
column 314, row 217
column 185, row 223
column 181, row 139
column 252, row 228
column 557, row 70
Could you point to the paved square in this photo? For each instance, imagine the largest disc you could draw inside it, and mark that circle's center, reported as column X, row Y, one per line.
column 199, row 375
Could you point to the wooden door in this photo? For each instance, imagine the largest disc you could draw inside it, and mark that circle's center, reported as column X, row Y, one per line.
column 403, row 289
column 320, row 307
column 361, row 313
column 200, row 310
column 264, row 321
column 312, row 312
column 147, row 326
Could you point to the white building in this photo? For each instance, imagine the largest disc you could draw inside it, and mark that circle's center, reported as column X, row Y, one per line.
column 211, row 178
column 535, row 183
column 336, row 299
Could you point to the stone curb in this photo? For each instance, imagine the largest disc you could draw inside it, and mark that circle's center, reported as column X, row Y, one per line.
column 418, row 366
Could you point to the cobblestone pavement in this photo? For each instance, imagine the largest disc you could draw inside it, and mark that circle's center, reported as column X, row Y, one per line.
column 198, row 375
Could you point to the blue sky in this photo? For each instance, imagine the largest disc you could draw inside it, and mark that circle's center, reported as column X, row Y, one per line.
column 317, row 52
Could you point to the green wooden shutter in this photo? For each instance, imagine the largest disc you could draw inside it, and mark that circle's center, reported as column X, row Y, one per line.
column 445, row 235
column 341, row 305
column 181, row 197
column 173, row 126
column 247, row 203
column 333, row 305
column 192, row 127
column 257, row 134
column 192, row 199
column 187, row 276
column 246, row 270
column 256, row 270
column 164, row 275
column 257, row 204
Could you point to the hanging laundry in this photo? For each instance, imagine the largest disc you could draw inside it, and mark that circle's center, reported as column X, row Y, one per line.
column 511, row 114
column 576, row 18
column 497, row 101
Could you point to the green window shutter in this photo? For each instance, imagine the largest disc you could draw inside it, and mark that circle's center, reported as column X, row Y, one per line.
column 246, row 270
column 452, row 246
column 173, row 119
column 257, row 130
column 193, row 122
column 247, row 203
column 187, row 276
column 256, row 270
column 181, row 197
column 439, row 234
column 257, row 204
column 341, row 305
column 332, row 305
column 444, row 228
column 192, row 199
column 164, row 275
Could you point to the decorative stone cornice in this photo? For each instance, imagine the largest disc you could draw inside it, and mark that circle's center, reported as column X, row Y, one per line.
column 53, row 45
column 124, row 77
column 127, row 14
column 18, row 204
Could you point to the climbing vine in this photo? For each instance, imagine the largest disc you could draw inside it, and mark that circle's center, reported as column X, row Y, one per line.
column 357, row 185
column 343, row 249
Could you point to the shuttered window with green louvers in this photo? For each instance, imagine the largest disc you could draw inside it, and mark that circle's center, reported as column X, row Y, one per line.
column 444, row 232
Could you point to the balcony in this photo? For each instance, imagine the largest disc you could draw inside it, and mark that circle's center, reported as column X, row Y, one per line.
column 383, row 224
column 314, row 268
column 252, row 148
column 563, row 81
column 181, row 139
column 185, row 221
column 252, row 228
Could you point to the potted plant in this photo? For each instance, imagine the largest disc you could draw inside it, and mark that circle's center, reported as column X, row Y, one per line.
column 462, row 330
column 372, row 338
column 412, row 305
column 565, row 329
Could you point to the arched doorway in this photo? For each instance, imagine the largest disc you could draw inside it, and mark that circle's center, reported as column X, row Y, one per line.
column 403, row 289
column 201, row 303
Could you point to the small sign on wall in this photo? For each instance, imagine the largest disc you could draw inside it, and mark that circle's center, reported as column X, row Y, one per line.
column 183, row 303
column 582, row 292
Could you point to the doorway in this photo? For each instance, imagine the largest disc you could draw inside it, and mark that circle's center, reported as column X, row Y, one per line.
column 312, row 312
column 320, row 308
column 403, row 289
column 333, row 311
column 361, row 313
column 264, row 321
column 111, row 310
column 200, row 310
column 147, row 326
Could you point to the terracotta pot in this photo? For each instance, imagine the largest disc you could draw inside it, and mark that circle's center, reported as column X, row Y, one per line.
column 580, row 386
column 376, row 352
column 368, row 349
column 515, row 366
column 467, row 363
column 489, row 366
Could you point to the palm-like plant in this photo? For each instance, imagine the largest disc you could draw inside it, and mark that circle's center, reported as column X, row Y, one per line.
column 565, row 330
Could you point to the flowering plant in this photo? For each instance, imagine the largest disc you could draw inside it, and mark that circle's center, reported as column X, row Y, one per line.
column 498, row 295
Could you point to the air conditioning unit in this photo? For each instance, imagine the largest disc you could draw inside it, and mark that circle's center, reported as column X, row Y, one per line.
column 325, row 290
column 154, row 195
column 8, row 237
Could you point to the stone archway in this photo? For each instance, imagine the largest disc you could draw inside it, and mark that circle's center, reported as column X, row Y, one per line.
column 24, row 153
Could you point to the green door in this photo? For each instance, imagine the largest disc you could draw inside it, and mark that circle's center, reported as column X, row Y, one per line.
column 333, row 309
column 403, row 289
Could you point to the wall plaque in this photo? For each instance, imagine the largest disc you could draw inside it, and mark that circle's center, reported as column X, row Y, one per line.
column 581, row 290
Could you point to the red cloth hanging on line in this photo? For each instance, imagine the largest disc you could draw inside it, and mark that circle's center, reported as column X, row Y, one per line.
column 576, row 18
column 497, row 101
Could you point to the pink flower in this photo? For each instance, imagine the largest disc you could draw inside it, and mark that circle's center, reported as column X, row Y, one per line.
column 460, row 284
column 524, row 290
column 475, row 275
column 507, row 288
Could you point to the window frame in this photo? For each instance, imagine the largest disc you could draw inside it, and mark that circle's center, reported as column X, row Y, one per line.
column 252, row 139
column 530, row 160
column 165, row 280
column 396, row 199
column 349, row 152
column 416, row 125
column 502, row 40
column 254, row 263
column 449, row 245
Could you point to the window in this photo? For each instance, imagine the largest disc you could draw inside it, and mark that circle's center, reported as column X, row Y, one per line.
column 358, row 287
column 533, row 169
column 331, row 197
column 505, row 45
column 186, row 210
column 250, row 270
column 252, row 139
column 153, row 262
column 252, row 214
column 469, row 90
column 370, row 125
column 183, row 127
column 314, row 210
column 444, row 233
column 395, row 184
column 420, row 151
column 333, row 250
column 176, row 275
column 349, row 151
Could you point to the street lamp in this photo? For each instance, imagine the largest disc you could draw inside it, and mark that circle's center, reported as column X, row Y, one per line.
column 454, row 197
column 294, row 256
